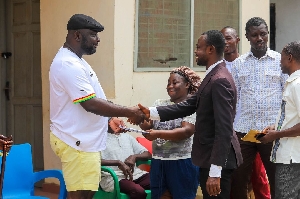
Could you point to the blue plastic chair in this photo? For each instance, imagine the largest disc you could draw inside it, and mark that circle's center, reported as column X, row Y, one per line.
column 19, row 177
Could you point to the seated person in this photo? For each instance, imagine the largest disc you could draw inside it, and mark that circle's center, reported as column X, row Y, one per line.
column 121, row 153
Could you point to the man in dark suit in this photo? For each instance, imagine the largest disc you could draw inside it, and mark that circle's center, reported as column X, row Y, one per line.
column 215, row 149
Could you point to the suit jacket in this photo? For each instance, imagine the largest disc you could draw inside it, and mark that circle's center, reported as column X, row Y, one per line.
column 215, row 141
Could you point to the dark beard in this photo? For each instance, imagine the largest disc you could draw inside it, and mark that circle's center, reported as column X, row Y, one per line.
column 87, row 48
column 201, row 62
column 263, row 48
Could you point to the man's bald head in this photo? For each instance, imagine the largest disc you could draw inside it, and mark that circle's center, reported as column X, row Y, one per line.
column 231, row 43
column 230, row 29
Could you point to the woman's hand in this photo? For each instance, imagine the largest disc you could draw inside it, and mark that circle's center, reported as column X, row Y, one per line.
column 151, row 135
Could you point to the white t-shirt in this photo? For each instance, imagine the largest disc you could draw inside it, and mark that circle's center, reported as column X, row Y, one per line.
column 72, row 80
column 228, row 65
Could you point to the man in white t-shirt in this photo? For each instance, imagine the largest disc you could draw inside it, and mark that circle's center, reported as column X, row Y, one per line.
column 79, row 110
column 286, row 132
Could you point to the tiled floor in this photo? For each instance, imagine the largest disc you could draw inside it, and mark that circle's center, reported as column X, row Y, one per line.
column 39, row 192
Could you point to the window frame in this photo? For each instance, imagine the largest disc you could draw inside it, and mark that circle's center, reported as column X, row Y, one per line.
column 191, row 62
column 155, row 69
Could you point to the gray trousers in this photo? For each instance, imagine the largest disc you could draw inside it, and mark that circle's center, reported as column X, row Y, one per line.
column 287, row 181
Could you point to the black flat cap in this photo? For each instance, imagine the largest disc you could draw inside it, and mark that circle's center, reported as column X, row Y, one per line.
column 81, row 21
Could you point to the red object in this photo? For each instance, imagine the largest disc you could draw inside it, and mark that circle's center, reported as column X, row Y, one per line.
column 146, row 143
column 259, row 180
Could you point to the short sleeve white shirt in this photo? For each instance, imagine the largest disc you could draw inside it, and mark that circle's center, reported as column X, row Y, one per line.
column 72, row 80
column 289, row 146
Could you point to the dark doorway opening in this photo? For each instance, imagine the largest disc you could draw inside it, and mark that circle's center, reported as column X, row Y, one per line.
column 272, row 26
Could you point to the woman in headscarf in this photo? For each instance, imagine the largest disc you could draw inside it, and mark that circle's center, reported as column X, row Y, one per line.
column 172, row 173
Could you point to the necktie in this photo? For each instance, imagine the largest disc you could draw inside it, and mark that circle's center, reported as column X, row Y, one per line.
column 277, row 142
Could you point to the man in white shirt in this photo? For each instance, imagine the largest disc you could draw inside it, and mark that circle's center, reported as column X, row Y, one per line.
column 259, row 82
column 286, row 132
column 259, row 181
column 79, row 110
column 231, row 46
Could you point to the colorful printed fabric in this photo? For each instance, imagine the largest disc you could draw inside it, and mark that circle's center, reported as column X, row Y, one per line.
column 82, row 99
column 167, row 149
column 277, row 143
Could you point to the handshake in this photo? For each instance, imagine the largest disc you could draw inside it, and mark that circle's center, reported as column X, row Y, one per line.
column 138, row 114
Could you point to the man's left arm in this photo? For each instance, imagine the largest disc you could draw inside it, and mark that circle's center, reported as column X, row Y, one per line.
column 224, row 102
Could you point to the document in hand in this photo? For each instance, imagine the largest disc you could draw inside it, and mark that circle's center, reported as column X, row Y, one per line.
column 252, row 135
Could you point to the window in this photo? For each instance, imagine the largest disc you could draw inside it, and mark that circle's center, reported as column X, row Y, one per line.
column 167, row 30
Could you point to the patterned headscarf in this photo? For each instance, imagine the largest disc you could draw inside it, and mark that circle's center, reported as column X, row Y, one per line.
column 190, row 76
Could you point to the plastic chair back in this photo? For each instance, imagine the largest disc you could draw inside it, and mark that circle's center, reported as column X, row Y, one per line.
column 19, row 177
column 18, row 171
column 146, row 143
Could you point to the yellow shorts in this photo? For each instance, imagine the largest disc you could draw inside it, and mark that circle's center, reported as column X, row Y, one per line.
column 81, row 169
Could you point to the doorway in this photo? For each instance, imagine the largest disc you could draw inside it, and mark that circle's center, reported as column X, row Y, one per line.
column 21, row 96
column 272, row 26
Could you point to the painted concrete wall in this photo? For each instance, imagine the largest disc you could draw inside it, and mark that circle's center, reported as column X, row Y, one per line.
column 54, row 17
column 287, row 22
column 249, row 9
column 113, row 61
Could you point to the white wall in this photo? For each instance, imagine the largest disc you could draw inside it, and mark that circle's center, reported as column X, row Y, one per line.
column 133, row 87
column 287, row 22
column 114, row 58
column 146, row 87
column 249, row 9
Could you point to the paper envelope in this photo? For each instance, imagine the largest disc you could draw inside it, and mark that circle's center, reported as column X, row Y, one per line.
column 250, row 136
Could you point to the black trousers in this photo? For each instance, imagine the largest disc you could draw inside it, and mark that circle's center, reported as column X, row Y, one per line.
column 241, row 176
column 225, row 183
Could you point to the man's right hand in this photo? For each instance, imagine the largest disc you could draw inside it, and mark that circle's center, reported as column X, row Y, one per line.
column 137, row 116
column 145, row 110
column 271, row 127
column 115, row 123
column 126, row 170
